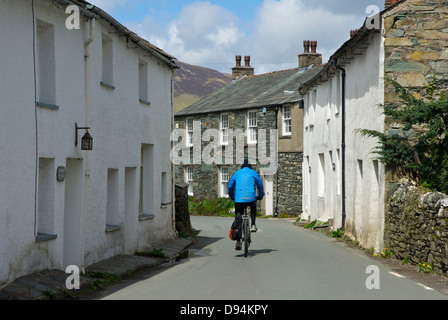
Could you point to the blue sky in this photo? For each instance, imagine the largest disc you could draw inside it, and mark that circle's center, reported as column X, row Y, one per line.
column 210, row 33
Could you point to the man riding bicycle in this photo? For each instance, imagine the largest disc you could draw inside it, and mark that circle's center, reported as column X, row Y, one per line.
column 242, row 189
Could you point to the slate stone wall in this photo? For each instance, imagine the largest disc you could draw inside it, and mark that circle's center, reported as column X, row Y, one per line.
column 290, row 183
column 416, row 46
column 183, row 221
column 416, row 226
column 206, row 176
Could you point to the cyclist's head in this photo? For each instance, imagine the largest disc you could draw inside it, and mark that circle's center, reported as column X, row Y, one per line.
column 246, row 164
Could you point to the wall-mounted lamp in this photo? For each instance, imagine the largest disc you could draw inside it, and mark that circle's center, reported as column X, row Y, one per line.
column 86, row 140
column 60, row 174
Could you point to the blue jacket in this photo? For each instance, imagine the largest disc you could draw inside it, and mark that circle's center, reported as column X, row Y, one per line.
column 242, row 186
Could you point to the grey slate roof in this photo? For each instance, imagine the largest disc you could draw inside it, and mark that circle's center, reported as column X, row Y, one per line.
column 255, row 91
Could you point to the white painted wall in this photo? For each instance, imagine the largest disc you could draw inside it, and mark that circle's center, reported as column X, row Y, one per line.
column 119, row 123
column 322, row 145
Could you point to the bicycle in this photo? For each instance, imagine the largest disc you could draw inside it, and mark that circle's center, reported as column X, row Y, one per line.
column 246, row 233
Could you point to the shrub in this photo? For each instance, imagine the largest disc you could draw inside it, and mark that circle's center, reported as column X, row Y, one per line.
column 420, row 150
column 211, row 207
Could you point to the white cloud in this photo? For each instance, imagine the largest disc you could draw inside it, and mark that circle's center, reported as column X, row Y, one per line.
column 202, row 33
column 282, row 25
column 209, row 35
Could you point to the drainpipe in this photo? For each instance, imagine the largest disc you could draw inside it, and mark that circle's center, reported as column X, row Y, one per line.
column 87, row 111
column 343, row 142
column 276, row 175
column 173, row 173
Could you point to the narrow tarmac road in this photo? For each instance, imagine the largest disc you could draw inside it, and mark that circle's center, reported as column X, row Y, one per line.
column 284, row 263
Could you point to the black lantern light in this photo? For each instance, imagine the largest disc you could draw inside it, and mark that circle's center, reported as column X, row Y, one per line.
column 86, row 140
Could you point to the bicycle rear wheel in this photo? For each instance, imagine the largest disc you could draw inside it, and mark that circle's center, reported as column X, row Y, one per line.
column 246, row 238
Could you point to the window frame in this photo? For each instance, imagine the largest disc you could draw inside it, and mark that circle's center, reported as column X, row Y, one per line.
column 189, row 178
column 224, row 131
column 224, row 182
column 251, row 128
column 189, row 132
column 285, row 120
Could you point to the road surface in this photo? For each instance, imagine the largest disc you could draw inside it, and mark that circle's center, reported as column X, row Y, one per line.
column 285, row 263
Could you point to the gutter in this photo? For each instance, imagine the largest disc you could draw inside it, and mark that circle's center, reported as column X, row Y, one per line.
column 344, row 75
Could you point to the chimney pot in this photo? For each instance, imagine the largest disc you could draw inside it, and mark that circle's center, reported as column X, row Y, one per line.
column 238, row 61
column 313, row 46
column 353, row 33
column 306, row 46
column 247, row 61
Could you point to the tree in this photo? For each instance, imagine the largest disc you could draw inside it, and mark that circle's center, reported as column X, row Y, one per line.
column 419, row 150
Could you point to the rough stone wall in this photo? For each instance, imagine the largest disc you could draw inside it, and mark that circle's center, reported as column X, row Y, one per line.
column 206, row 176
column 183, row 222
column 416, row 52
column 290, row 183
column 416, row 46
column 416, row 225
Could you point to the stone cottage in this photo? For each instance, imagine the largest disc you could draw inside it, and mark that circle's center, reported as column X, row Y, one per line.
column 344, row 181
column 257, row 117
column 86, row 116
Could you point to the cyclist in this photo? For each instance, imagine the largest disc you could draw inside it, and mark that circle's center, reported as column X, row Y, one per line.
column 242, row 189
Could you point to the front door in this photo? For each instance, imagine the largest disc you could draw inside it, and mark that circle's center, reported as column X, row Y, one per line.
column 269, row 195
column 73, row 212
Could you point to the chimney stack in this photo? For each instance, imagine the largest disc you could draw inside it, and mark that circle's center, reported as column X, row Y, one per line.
column 240, row 71
column 390, row 3
column 353, row 33
column 308, row 58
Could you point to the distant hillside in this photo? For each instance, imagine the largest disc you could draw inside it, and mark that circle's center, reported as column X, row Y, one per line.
column 192, row 83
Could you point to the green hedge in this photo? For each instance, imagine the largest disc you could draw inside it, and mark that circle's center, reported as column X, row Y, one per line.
column 211, row 207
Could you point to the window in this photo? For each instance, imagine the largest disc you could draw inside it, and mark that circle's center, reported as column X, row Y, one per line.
column 329, row 100
column 107, row 76
column 189, row 179
column 164, row 186
column 224, row 178
column 252, row 127
column 338, row 172
column 143, row 81
column 338, row 93
column 321, row 176
column 313, row 107
column 112, row 200
column 46, row 68
column 359, row 192
column 224, row 129
column 189, row 132
column 45, row 222
column 146, row 205
column 286, row 121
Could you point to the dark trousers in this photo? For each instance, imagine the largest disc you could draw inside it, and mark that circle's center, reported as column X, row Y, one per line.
column 239, row 210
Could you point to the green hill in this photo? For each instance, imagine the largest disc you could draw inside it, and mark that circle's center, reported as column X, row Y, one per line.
column 192, row 83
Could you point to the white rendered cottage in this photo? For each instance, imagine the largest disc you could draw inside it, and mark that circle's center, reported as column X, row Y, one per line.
column 338, row 161
column 61, row 205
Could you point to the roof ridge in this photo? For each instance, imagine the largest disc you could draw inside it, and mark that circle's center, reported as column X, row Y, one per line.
column 270, row 73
